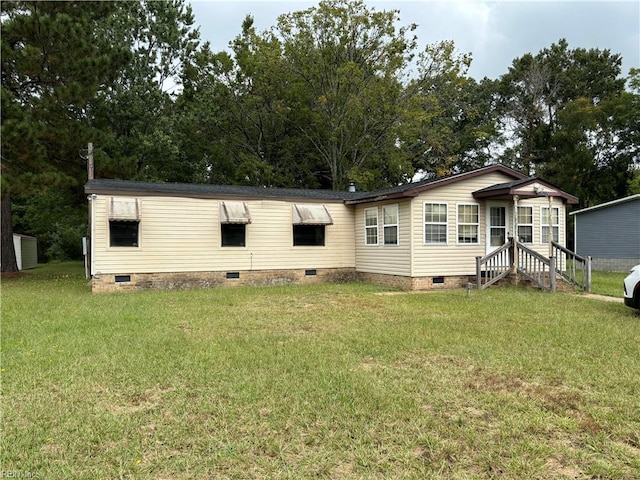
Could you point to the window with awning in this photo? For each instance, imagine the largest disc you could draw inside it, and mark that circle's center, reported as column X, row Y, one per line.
column 124, row 209
column 124, row 219
column 311, row 215
column 234, row 212
column 234, row 217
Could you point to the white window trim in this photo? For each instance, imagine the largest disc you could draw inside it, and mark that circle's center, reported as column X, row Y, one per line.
column 385, row 225
column 446, row 223
column 458, row 224
column 533, row 236
column 551, row 225
column 367, row 227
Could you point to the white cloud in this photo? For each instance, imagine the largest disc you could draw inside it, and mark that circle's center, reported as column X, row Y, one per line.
column 494, row 32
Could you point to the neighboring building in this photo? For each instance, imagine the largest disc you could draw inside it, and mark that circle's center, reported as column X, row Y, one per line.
column 417, row 236
column 610, row 234
column 26, row 248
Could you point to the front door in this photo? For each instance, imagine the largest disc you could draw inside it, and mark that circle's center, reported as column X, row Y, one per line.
column 497, row 225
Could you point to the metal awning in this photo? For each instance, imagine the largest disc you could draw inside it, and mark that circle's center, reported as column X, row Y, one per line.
column 234, row 212
column 311, row 215
column 124, row 209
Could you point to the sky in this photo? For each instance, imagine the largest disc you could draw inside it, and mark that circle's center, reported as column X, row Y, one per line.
column 495, row 33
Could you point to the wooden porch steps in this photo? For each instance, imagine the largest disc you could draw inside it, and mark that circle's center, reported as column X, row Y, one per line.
column 515, row 263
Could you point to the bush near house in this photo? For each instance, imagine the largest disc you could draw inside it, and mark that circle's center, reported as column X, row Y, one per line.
column 335, row 381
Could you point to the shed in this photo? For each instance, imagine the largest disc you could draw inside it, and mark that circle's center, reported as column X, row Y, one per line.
column 610, row 234
column 26, row 251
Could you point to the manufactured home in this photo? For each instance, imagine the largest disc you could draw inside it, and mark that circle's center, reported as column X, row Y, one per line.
column 610, row 234
column 422, row 235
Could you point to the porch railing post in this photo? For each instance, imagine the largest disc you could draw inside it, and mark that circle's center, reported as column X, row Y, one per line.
column 513, row 253
column 552, row 273
column 588, row 268
column 478, row 272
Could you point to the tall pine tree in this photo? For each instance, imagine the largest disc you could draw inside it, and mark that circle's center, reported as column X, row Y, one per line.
column 52, row 66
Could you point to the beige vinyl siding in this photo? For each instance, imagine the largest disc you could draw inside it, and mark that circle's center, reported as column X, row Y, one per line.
column 450, row 258
column 538, row 203
column 384, row 259
column 459, row 259
column 183, row 234
column 537, row 245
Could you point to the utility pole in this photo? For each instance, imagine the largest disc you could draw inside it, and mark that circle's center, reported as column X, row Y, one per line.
column 90, row 174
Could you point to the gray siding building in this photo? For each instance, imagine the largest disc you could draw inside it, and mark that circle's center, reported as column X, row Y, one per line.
column 610, row 234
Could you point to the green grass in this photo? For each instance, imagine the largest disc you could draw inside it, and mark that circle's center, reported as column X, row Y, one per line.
column 329, row 381
column 608, row 283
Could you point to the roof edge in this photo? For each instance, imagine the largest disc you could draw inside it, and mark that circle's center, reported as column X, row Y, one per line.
column 607, row 204
column 413, row 190
column 194, row 190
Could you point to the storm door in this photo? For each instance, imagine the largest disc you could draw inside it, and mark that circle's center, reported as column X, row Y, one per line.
column 497, row 226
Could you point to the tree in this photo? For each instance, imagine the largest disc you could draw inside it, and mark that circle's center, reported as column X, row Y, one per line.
column 134, row 112
column 447, row 125
column 240, row 104
column 74, row 72
column 322, row 99
column 347, row 65
column 51, row 66
column 571, row 120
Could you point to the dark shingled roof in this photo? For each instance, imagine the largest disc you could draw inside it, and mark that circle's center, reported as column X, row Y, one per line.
column 506, row 185
column 126, row 187
column 508, row 189
column 415, row 188
column 106, row 186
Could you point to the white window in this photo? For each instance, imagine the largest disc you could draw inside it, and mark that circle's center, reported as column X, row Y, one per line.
column 525, row 224
column 550, row 225
column 390, row 224
column 371, row 226
column 435, row 223
column 468, row 223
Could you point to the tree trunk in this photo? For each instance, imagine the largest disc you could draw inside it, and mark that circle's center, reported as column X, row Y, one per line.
column 8, row 260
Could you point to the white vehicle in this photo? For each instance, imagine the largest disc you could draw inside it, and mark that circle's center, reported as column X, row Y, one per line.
column 632, row 288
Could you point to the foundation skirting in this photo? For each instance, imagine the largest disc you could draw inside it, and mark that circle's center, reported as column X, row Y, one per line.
column 123, row 282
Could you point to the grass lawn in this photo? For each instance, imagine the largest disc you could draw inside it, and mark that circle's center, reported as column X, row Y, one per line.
column 329, row 381
column 608, row 283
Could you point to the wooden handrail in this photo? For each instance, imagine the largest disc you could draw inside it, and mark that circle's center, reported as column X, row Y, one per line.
column 498, row 263
column 536, row 267
column 570, row 273
column 565, row 250
column 514, row 257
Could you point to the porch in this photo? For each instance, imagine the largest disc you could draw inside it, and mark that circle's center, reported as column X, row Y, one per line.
column 512, row 255
column 517, row 261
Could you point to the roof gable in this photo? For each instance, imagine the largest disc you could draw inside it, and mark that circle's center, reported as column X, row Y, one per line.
column 414, row 189
column 530, row 187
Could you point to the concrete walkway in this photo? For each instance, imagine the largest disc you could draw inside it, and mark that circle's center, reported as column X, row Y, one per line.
column 602, row 297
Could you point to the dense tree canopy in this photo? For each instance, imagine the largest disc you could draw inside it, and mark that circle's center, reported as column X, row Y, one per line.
column 571, row 120
column 52, row 67
column 331, row 94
